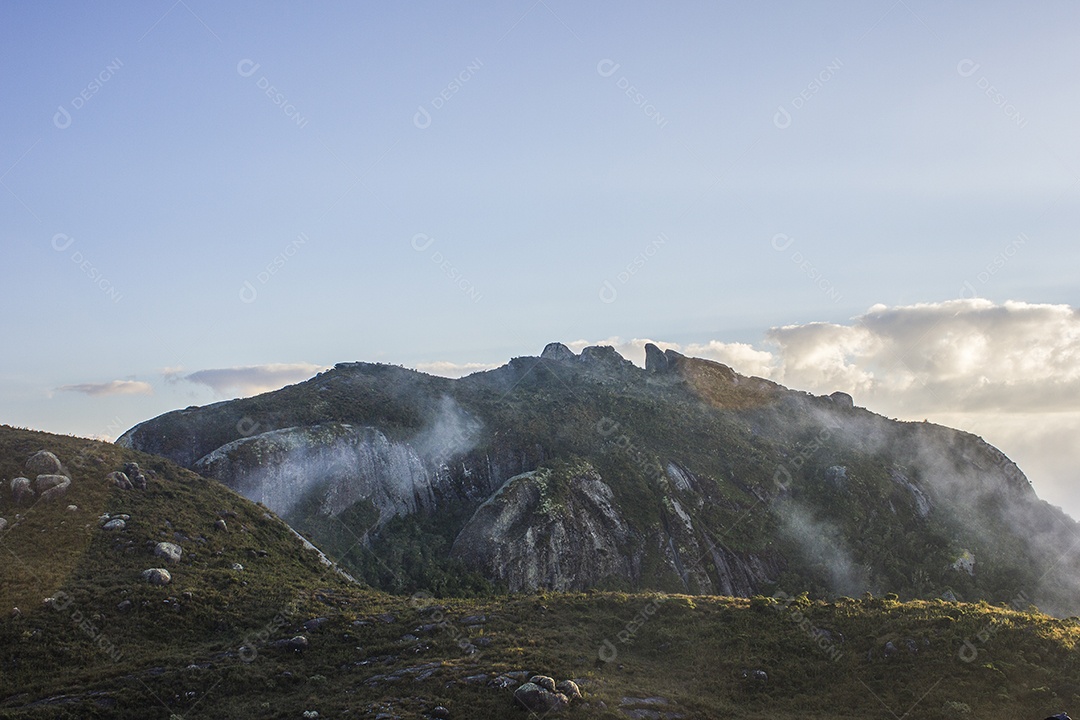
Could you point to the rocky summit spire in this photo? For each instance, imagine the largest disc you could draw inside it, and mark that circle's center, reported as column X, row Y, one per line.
column 559, row 352
column 655, row 359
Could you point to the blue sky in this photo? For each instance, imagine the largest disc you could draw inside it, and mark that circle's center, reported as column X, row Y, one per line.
column 201, row 199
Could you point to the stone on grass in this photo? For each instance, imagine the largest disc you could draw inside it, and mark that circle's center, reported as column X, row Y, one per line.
column 157, row 576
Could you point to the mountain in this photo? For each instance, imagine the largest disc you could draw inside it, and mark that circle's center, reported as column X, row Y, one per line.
column 582, row 471
column 253, row 623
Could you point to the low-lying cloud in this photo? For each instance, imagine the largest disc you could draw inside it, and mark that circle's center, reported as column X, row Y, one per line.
column 115, row 387
column 248, row 379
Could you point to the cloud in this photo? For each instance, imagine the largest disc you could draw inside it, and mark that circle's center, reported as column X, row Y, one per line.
column 248, row 379
column 453, row 370
column 956, row 356
column 116, row 387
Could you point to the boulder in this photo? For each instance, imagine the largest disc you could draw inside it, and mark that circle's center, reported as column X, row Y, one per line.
column 44, row 462
column 315, row 623
column 157, row 576
column 120, row 480
column 548, row 683
column 536, row 699
column 570, row 689
column 295, row 644
column 842, row 400
column 52, row 486
column 558, row 352
column 3, row 524
column 114, row 524
column 170, row 551
column 22, row 492
column 219, row 524
column 135, row 475
column 655, row 359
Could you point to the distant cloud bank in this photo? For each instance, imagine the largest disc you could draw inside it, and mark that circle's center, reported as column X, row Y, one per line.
column 246, row 380
column 116, row 387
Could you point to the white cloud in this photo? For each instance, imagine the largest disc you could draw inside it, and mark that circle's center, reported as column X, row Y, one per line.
column 116, row 387
column 453, row 370
column 249, row 379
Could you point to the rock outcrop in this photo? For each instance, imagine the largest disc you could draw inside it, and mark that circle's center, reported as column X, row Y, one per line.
column 558, row 352
column 353, row 464
column 655, row 359
column 557, row 530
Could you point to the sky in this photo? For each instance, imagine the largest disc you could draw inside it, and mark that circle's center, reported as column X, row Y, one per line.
column 203, row 200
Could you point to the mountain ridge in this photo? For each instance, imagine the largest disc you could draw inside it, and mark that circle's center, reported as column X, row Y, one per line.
column 723, row 482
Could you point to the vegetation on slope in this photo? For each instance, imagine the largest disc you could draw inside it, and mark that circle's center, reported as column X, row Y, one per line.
column 214, row 642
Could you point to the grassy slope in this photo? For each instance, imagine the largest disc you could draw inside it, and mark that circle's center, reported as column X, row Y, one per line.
column 175, row 653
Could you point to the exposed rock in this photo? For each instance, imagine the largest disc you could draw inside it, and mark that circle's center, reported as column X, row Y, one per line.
column 842, row 400
column 890, row 649
column 72, row 508
column 114, row 524
column 548, row 683
column 170, row 551
column 219, row 524
column 360, row 464
column 604, row 356
column 440, row 713
column 120, row 480
column 503, row 682
column 758, row 676
column 536, row 699
column 531, row 537
column 22, row 492
column 44, row 462
column 315, row 623
column 474, row 620
column 135, row 475
column 920, row 498
column 965, row 563
column 569, row 688
column 296, row 644
column 124, row 605
column 655, row 359
column 237, row 567
column 51, row 487
column 157, row 576
column 3, row 524
column 558, row 352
